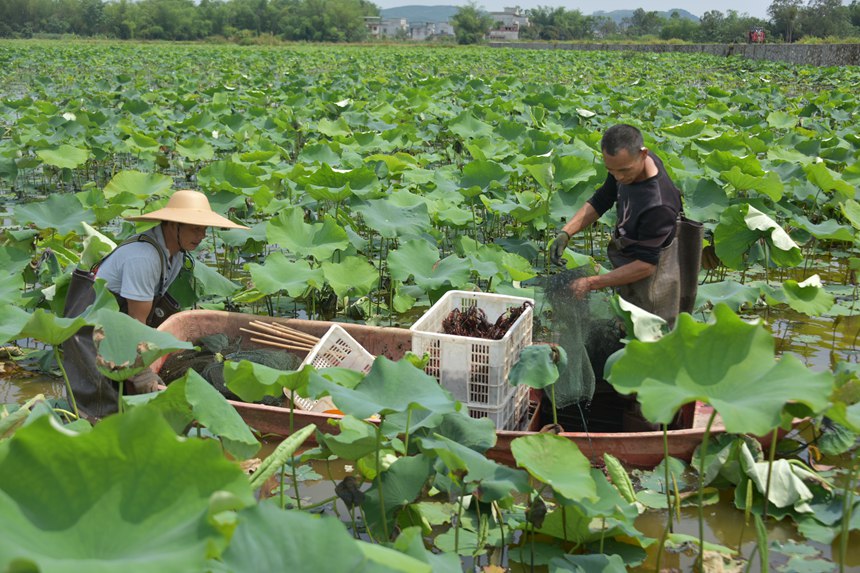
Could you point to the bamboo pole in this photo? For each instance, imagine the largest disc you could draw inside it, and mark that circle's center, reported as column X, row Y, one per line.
column 274, row 338
column 293, row 331
column 306, row 339
column 279, row 345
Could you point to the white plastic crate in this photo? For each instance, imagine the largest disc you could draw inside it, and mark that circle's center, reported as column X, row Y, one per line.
column 336, row 348
column 474, row 370
column 512, row 415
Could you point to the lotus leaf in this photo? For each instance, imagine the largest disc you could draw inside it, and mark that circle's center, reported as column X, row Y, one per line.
column 402, row 483
column 355, row 440
column 828, row 181
column 557, row 462
column 787, row 488
column 731, row 293
column 319, row 240
column 535, row 367
column 252, row 382
column 390, row 387
column 195, row 149
column 639, row 323
column 769, row 185
column 279, row 273
column 851, row 210
column 588, row 564
column 391, row 220
column 271, row 539
column 352, row 276
column 487, row 479
column 62, row 212
column 808, row 297
column 126, row 346
column 145, row 505
column 410, row 542
column 718, row 363
column 827, row 230
column 64, row 156
column 142, row 186
column 212, row 283
column 483, row 173
column 419, row 259
column 230, row 176
column 741, row 226
column 468, row 126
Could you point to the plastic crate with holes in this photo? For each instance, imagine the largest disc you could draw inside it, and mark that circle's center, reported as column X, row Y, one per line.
column 336, row 348
column 475, row 370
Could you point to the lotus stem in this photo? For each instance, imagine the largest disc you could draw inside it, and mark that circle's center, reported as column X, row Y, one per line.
column 552, row 398
column 846, row 515
column 459, row 519
column 406, row 435
column 379, row 477
column 670, row 522
column 68, row 384
column 770, row 458
column 281, row 485
column 705, row 439
column 295, row 483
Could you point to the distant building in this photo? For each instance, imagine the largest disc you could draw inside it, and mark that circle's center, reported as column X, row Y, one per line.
column 421, row 31
column 444, row 29
column 394, row 27
column 508, row 24
column 372, row 23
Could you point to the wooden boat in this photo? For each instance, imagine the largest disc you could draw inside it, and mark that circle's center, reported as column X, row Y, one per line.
column 635, row 449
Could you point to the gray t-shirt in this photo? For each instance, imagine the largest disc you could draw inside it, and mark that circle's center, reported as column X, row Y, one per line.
column 133, row 270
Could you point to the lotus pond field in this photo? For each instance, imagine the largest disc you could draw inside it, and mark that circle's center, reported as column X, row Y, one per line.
column 374, row 179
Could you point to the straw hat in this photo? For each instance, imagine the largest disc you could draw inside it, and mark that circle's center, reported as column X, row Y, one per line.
column 190, row 207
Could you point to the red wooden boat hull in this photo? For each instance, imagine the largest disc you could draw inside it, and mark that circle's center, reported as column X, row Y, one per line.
column 634, row 449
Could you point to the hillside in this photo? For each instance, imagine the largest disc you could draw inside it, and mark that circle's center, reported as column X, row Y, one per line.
column 619, row 15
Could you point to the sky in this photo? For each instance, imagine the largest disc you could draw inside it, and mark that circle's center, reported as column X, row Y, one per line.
column 756, row 8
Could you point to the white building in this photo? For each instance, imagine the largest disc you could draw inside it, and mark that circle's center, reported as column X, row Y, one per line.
column 511, row 18
column 394, row 27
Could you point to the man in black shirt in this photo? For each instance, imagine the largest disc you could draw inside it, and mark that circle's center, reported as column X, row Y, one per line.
column 642, row 251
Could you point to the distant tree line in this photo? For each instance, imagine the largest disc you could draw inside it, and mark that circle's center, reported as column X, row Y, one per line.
column 344, row 21
column 299, row 20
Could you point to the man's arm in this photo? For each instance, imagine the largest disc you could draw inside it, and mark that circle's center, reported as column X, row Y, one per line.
column 139, row 309
column 623, row 275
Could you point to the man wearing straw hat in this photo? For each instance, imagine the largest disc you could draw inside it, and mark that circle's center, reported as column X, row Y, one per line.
column 139, row 272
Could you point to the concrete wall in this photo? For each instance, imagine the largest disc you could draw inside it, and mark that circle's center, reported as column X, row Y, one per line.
column 811, row 54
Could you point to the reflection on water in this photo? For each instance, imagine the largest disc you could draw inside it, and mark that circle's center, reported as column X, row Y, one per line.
column 22, row 387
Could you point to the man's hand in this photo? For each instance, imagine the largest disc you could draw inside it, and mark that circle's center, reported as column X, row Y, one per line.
column 556, row 253
column 581, row 287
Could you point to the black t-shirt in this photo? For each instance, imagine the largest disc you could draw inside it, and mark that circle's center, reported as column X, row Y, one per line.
column 646, row 211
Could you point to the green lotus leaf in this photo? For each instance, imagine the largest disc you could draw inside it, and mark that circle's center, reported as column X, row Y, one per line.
column 741, row 226
column 60, row 211
column 120, row 497
column 96, row 246
column 411, row 542
column 397, row 163
column 390, row 387
column 402, row 483
column 535, row 367
column 686, row 130
column 781, row 120
column 352, row 276
column 391, row 220
column 14, row 259
column 851, row 210
column 230, row 176
column 557, row 462
column 279, row 273
column 50, row 328
column 125, row 346
column 12, row 321
column 789, row 155
column 195, row 149
column 828, row 181
column 10, row 289
column 271, row 539
column 721, row 161
column 786, row 481
column 718, row 363
column 638, row 323
column 361, row 181
column 571, row 170
column 355, row 439
column 706, row 201
column 542, row 169
column 482, row 173
column 731, row 293
column 212, row 283
column 141, row 185
column 252, row 382
column 387, row 559
column 487, row 479
column 468, row 126
column 338, row 127
column 594, row 563
column 419, row 259
column 769, row 185
column 827, row 230
column 320, row 240
column 64, row 156
column 808, row 297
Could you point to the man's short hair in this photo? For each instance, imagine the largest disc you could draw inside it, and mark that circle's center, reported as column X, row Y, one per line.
column 622, row 136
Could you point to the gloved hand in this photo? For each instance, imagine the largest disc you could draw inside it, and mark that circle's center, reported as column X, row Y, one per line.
column 556, row 253
column 143, row 382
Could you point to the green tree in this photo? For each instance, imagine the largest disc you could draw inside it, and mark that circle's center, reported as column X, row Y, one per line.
column 823, row 18
column 327, row 21
column 557, row 24
column 679, row 28
column 471, row 24
column 784, row 14
column 643, row 23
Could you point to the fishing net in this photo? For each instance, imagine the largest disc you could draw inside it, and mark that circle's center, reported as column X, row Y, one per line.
column 215, row 350
column 588, row 333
